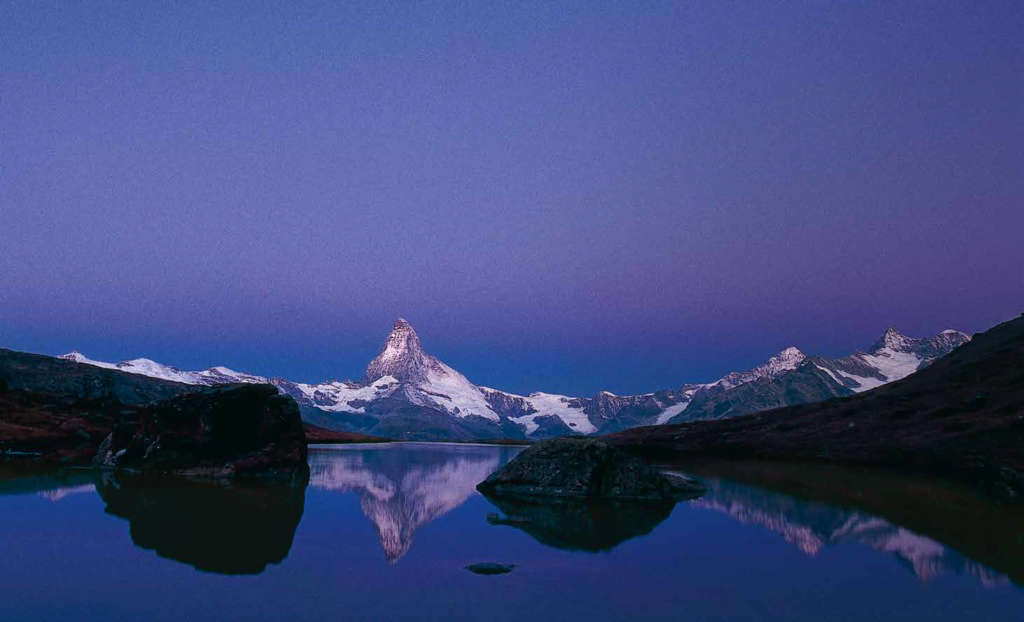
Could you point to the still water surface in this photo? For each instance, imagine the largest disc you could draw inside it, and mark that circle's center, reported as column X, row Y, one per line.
column 385, row 532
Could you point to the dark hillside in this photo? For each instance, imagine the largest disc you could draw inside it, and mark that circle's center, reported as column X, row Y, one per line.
column 963, row 416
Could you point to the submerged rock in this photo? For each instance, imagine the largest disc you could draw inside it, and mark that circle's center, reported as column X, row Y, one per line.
column 490, row 568
column 579, row 468
column 217, row 432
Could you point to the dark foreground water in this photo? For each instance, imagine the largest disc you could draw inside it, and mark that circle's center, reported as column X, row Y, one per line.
column 385, row 531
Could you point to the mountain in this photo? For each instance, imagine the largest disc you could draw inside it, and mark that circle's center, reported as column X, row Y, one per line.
column 45, row 374
column 147, row 367
column 790, row 378
column 787, row 360
column 892, row 357
column 406, row 393
column 961, row 416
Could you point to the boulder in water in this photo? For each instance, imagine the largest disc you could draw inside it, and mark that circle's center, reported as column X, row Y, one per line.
column 582, row 468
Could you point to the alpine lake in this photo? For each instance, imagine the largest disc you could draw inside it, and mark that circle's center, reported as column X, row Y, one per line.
column 387, row 531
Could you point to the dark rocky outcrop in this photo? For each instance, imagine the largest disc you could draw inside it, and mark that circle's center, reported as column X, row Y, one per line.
column 47, row 428
column 246, row 429
column 962, row 416
column 581, row 468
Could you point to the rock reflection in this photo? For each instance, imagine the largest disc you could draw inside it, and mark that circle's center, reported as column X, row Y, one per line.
column 402, row 488
column 581, row 526
column 227, row 528
column 813, row 526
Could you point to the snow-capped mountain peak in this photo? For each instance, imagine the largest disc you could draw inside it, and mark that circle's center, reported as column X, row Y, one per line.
column 893, row 357
column 402, row 356
column 78, row 357
column 893, row 340
column 786, row 360
column 75, row 356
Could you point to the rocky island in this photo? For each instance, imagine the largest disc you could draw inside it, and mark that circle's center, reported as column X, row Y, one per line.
column 587, row 469
column 244, row 429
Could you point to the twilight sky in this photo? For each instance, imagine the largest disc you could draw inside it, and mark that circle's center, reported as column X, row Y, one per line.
column 562, row 197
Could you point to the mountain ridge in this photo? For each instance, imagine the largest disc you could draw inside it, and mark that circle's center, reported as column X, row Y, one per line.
column 962, row 417
column 408, row 393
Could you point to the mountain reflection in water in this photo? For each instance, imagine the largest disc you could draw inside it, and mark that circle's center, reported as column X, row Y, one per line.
column 813, row 526
column 403, row 487
column 929, row 528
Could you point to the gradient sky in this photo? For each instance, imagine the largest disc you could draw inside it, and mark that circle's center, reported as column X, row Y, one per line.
column 562, row 197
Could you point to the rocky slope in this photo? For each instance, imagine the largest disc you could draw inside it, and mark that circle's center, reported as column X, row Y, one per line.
column 962, row 416
column 43, row 427
column 406, row 393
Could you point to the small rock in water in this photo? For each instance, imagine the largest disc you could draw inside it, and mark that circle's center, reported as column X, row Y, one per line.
column 490, row 568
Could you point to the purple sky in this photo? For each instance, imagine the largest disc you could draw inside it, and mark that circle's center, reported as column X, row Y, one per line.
column 564, row 198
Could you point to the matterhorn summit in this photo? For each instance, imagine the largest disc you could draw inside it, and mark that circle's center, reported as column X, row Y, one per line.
column 402, row 358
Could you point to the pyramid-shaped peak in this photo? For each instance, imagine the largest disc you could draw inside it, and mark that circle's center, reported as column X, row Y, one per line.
column 401, row 357
column 74, row 355
column 791, row 353
column 402, row 336
column 893, row 340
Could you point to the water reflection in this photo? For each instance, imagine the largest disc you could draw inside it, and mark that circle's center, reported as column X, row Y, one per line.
column 813, row 526
column 213, row 526
column 403, row 487
column 580, row 526
column 49, row 484
column 930, row 529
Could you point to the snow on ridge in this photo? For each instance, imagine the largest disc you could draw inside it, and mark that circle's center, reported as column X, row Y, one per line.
column 786, row 360
column 78, row 357
column 546, row 404
column 412, row 375
column 892, row 364
column 334, row 396
column 666, row 415
column 153, row 369
column 462, row 397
